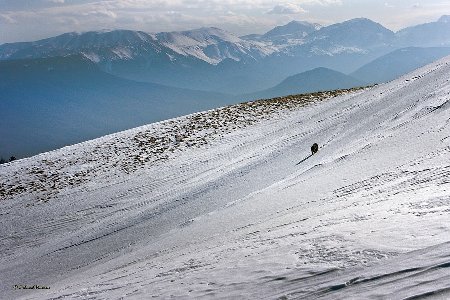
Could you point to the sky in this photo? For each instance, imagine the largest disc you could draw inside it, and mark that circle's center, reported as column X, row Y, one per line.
column 27, row 20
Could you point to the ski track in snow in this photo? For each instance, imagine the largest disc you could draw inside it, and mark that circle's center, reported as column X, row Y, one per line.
column 213, row 205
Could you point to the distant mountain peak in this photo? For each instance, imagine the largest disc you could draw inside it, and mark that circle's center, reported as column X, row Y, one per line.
column 433, row 34
column 363, row 25
column 200, row 36
column 304, row 23
column 355, row 35
column 362, row 21
column 444, row 19
column 106, row 37
column 207, row 30
column 293, row 28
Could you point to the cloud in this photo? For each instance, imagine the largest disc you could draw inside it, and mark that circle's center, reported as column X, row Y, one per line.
column 325, row 2
column 56, row 1
column 7, row 19
column 101, row 13
column 286, row 9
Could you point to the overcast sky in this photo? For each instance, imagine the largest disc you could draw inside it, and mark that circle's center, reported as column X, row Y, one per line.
column 25, row 20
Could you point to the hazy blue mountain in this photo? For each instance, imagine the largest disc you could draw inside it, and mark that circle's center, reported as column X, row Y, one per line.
column 343, row 47
column 51, row 102
column 357, row 35
column 397, row 63
column 319, row 79
column 251, row 37
column 293, row 28
column 434, row 34
column 293, row 32
column 215, row 60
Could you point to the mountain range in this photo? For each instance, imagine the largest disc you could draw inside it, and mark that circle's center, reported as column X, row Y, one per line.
column 213, row 59
column 77, row 86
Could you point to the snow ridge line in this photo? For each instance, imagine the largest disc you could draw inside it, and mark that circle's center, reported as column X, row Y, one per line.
column 129, row 151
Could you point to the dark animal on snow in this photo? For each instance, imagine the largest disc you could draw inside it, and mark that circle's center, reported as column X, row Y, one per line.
column 314, row 148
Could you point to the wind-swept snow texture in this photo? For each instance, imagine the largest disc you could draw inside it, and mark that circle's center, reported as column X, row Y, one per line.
column 213, row 205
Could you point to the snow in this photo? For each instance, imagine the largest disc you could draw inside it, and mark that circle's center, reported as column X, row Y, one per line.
column 123, row 53
column 196, row 43
column 92, row 57
column 342, row 49
column 214, row 205
column 337, row 50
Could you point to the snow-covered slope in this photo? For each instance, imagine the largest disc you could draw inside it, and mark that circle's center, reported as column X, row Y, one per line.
column 99, row 46
column 213, row 45
column 227, row 204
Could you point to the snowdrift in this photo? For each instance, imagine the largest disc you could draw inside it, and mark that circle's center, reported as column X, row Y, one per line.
column 214, row 204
